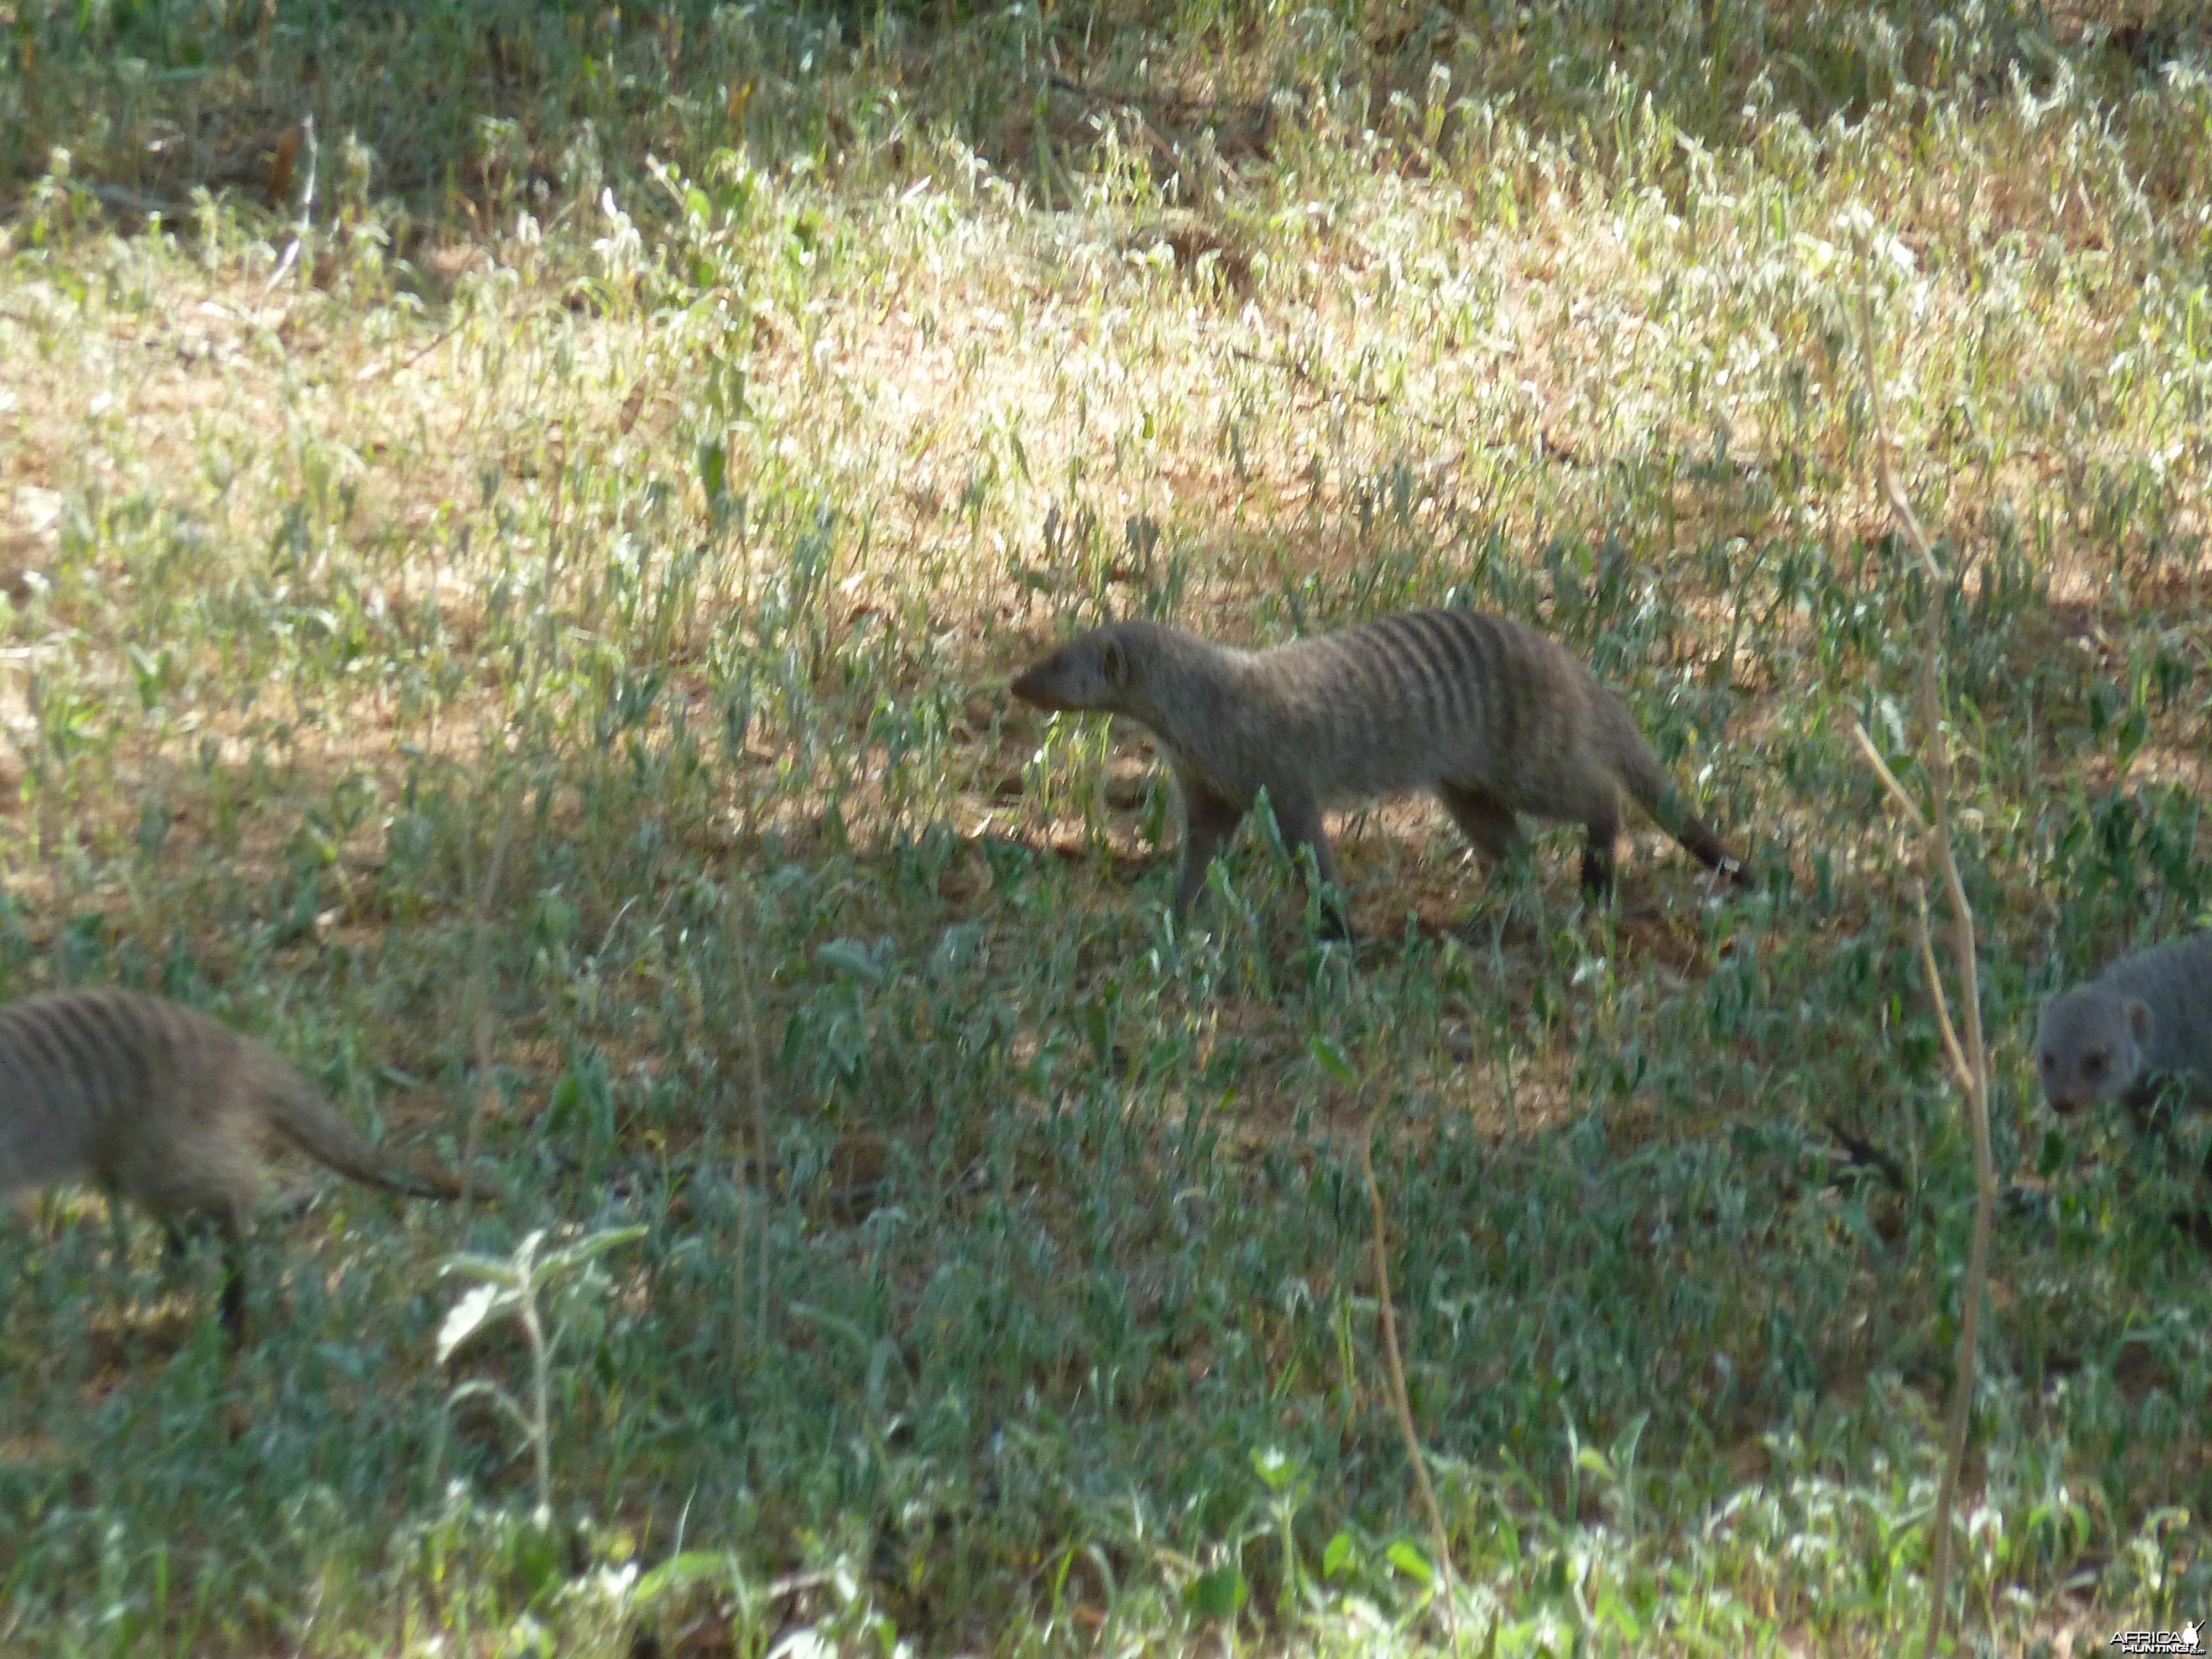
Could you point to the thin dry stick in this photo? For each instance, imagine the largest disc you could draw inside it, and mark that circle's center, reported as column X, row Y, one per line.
column 1969, row 1058
column 1399, row 1399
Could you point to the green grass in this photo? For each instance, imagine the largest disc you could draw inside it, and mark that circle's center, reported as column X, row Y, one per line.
column 671, row 430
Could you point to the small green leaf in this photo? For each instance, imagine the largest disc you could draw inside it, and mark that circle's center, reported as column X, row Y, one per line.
column 536, row 1555
column 591, row 1244
column 1217, row 1595
column 682, row 1572
column 1098, row 1026
column 568, row 1099
column 1335, row 1555
column 488, row 1267
column 1332, row 1060
column 471, row 1314
column 2050, row 1155
column 714, row 469
column 1410, row 1561
column 1276, row 1468
column 850, row 959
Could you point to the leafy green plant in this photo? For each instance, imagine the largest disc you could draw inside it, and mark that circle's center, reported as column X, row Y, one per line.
column 511, row 1290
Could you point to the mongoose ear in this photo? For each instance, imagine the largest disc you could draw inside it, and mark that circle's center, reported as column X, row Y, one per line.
column 1114, row 664
column 2139, row 1020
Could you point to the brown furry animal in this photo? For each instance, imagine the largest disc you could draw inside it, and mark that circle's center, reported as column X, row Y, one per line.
column 1494, row 717
column 161, row 1104
column 2146, row 1018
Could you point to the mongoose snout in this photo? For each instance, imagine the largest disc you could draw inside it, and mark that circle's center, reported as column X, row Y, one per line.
column 1074, row 678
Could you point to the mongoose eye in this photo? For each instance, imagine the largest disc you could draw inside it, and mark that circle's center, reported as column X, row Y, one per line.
column 2094, row 1063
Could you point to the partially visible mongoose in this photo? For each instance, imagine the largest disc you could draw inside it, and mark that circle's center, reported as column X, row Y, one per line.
column 2146, row 1018
column 161, row 1104
column 1494, row 717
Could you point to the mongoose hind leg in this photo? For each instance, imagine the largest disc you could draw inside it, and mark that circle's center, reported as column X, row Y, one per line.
column 1603, row 829
column 230, row 1237
column 209, row 1188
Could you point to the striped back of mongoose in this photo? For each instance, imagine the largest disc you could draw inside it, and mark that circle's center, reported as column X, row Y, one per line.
column 159, row 1103
column 2147, row 1017
column 1494, row 718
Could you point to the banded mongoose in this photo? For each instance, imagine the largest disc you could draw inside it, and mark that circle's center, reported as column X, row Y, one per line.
column 2146, row 1018
column 161, row 1104
column 1494, row 717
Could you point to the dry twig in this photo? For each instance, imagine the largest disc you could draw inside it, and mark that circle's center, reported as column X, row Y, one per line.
column 1401, row 1400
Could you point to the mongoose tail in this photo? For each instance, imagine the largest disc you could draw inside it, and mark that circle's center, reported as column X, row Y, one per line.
column 1644, row 778
column 300, row 1115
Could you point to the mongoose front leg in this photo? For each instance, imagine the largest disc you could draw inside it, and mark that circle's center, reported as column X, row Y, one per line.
column 1209, row 820
column 233, row 1282
column 231, row 1236
column 1301, row 825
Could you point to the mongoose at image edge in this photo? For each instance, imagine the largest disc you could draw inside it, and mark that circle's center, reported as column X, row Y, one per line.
column 1492, row 717
column 158, row 1103
column 2145, row 1019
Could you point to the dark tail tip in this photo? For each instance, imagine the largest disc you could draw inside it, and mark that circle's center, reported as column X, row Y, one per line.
column 427, row 1180
column 1708, row 849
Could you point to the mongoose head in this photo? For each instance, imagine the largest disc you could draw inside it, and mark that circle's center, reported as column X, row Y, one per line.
column 1094, row 670
column 2089, row 1045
